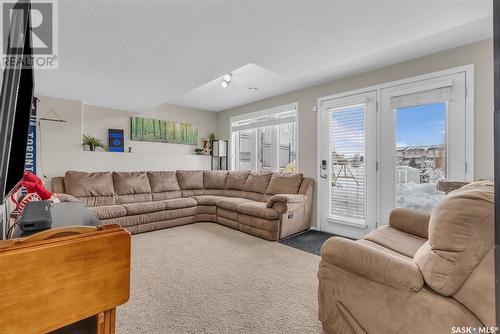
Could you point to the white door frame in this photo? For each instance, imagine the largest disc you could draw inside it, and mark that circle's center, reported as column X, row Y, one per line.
column 455, row 135
column 469, row 105
column 346, row 226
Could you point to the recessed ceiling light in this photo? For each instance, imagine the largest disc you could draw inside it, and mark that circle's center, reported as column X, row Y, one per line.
column 252, row 89
column 227, row 77
column 224, row 84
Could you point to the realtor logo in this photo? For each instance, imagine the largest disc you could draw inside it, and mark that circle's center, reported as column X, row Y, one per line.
column 43, row 26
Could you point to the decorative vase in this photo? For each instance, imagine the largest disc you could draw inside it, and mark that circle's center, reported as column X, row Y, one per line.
column 206, row 146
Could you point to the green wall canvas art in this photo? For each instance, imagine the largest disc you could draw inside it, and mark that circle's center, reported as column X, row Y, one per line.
column 155, row 130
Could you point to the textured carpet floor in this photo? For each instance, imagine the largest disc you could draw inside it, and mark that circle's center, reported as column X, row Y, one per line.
column 206, row 278
column 310, row 241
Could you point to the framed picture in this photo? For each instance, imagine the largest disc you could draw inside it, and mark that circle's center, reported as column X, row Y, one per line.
column 155, row 130
column 116, row 140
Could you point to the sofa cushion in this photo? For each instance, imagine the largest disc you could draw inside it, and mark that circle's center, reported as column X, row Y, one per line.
column 66, row 198
column 250, row 195
column 163, row 181
column 231, row 203
column 236, row 180
column 284, row 184
column 109, row 211
column 180, row 203
column 382, row 248
column 396, row 240
column 257, row 182
column 145, row 207
column 461, row 231
column 83, row 184
column 166, row 195
column 214, row 192
column 133, row 198
column 207, row 199
column 150, row 217
column 214, row 179
column 228, row 214
column 258, row 209
column 128, row 183
column 190, row 179
column 260, row 223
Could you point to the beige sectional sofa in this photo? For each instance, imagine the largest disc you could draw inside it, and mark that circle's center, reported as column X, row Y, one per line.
column 268, row 205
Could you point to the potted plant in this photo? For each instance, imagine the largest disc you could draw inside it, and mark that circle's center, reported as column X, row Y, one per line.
column 92, row 142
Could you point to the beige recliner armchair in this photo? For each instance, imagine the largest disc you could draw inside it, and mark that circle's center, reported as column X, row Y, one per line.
column 420, row 274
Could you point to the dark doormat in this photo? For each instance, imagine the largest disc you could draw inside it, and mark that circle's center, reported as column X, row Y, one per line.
column 310, row 241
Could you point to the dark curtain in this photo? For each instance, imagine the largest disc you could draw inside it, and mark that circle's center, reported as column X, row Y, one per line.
column 496, row 48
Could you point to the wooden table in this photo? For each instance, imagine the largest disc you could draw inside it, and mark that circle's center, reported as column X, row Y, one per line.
column 64, row 280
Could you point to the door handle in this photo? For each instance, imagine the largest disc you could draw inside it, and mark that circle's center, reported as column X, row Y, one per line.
column 324, row 176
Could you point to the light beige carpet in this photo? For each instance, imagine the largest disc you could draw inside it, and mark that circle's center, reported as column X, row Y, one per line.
column 206, row 278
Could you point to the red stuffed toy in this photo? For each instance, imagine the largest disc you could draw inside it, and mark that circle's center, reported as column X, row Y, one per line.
column 34, row 187
column 34, row 184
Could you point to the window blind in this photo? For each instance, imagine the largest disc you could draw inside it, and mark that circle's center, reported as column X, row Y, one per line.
column 264, row 121
column 347, row 128
column 441, row 94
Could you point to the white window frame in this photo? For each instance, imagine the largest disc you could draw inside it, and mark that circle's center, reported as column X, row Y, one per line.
column 234, row 142
column 469, row 130
column 457, row 164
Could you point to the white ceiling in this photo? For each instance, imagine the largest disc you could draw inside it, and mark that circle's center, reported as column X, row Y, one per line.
column 135, row 55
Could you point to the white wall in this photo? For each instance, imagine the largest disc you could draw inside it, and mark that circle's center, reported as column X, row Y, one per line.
column 480, row 54
column 60, row 149
column 97, row 121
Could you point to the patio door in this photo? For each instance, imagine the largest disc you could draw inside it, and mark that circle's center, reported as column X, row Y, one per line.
column 423, row 139
column 388, row 146
column 348, row 178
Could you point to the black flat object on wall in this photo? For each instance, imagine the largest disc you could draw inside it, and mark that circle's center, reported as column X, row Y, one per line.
column 496, row 122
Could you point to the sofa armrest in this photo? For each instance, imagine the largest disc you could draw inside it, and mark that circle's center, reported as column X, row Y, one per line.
column 410, row 221
column 284, row 202
column 66, row 197
column 372, row 264
column 286, row 198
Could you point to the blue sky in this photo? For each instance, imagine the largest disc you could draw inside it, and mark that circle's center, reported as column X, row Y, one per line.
column 421, row 125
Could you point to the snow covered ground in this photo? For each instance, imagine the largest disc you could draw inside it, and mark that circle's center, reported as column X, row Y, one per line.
column 348, row 197
column 421, row 196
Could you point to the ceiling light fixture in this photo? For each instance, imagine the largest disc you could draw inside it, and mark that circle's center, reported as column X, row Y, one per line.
column 226, row 80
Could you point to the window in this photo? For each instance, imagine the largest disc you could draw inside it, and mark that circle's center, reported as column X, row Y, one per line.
column 265, row 140
column 420, row 155
column 424, row 139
